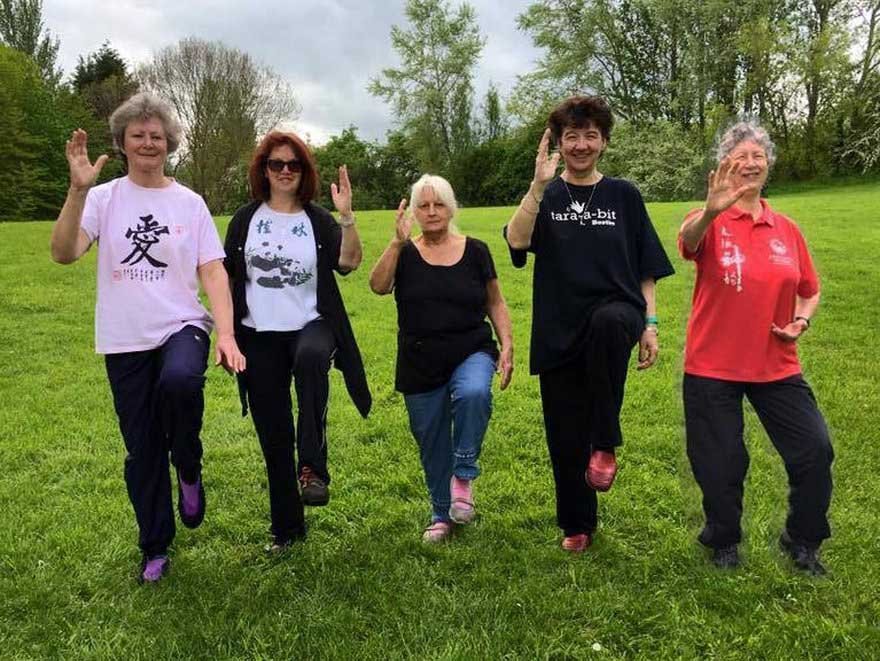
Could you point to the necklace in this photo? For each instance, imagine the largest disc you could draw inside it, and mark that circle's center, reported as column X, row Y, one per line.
column 578, row 207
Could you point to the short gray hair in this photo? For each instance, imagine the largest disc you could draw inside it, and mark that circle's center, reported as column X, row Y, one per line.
column 144, row 106
column 746, row 130
column 442, row 189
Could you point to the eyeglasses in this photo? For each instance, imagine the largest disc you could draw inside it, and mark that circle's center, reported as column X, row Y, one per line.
column 277, row 165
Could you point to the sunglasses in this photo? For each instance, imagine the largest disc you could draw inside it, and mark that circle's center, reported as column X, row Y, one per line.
column 277, row 165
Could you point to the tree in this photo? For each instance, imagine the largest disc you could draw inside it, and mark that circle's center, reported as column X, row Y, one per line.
column 224, row 100
column 432, row 91
column 823, row 63
column 494, row 124
column 103, row 82
column 21, row 27
column 348, row 149
column 35, row 122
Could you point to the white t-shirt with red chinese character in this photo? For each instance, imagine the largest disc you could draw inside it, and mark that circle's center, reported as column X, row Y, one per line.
column 150, row 243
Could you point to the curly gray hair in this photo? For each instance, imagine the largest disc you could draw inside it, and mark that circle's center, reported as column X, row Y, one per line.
column 746, row 130
column 145, row 106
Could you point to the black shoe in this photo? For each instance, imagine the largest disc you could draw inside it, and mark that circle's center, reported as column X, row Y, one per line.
column 804, row 557
column 727, row 557
column 313, row 489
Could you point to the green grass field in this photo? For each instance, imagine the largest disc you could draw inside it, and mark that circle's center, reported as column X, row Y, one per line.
column 363, row 585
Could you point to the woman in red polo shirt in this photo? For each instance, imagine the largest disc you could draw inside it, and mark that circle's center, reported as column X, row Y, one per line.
column 755, row 292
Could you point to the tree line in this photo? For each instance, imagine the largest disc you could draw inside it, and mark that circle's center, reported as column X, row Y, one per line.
column 674, row 71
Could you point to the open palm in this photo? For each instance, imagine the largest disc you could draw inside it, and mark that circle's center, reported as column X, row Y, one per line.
column 342, row 193
column 82, row 173
column 403, row 222
column 723, row 190
column 546, row 164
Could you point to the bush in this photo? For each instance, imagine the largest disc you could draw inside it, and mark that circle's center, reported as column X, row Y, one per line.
column 665, row 162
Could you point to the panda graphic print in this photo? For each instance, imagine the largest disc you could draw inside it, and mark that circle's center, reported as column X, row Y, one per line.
column 281, row 260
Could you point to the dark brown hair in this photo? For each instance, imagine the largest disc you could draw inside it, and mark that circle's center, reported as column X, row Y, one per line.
column 579, row 112
column 259, row 183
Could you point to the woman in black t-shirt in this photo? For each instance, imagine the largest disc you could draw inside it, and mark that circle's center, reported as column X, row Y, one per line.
column 445, row 284
column 597, row 258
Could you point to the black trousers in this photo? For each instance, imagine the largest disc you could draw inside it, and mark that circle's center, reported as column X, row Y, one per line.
column 719, row 459
column 158, row 396
column 273, row 359
column 581, row 402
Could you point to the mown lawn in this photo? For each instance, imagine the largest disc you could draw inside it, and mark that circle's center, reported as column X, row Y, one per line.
column 363, row 586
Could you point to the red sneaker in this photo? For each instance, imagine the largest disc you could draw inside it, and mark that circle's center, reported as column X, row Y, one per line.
column 577, row 543
column 601, row 471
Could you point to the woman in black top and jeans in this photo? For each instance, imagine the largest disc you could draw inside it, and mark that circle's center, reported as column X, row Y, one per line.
column 445, row 284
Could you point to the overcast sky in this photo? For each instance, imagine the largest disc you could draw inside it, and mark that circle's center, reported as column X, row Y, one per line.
column 326, row 49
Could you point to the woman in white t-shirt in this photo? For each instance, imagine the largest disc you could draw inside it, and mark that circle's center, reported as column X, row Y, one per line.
column 290, row 321
column 156, row 243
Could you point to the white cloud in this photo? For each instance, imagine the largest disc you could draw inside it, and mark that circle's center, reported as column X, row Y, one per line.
column 327, row 50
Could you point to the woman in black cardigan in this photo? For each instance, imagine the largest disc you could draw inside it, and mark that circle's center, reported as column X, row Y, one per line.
column 281, row 251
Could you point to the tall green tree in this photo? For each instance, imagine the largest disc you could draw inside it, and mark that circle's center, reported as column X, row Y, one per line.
column 21, row 27
column 432, row 90
column 225, row 100
column 103, row 81
column 35, row 122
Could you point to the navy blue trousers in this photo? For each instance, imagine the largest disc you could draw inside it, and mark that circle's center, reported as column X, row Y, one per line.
column 158, row 396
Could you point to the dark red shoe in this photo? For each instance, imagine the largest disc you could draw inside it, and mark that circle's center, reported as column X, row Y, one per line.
column 601, row 471
column 577, row 543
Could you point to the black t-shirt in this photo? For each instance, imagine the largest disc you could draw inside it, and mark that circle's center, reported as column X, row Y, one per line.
column 586, row 256
column 441, row 314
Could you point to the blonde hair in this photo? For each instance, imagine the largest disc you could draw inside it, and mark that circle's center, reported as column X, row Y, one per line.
column 442, row 189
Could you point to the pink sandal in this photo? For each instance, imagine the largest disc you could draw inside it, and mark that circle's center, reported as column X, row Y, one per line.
column 438, row 531
column 462, row 509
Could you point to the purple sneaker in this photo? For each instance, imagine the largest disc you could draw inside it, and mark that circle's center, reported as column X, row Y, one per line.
column 190, row 502
column 154, row 568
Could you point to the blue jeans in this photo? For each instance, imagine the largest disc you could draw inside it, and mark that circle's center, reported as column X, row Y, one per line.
column 449, row 423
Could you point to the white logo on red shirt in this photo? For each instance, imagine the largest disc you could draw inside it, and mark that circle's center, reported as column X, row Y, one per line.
column 778, row 247
column 732, row 260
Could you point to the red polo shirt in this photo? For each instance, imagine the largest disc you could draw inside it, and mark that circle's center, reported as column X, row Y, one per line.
column 748, row 275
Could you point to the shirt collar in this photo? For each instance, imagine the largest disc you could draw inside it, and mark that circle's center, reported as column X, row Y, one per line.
column 766, row 216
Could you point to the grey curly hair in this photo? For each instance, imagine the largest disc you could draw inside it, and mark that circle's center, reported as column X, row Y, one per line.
column 746, row 130
column 145, row 106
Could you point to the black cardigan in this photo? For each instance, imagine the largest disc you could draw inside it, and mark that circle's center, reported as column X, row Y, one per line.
column 328, row 238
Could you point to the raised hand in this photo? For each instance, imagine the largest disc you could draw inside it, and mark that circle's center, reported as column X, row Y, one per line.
column 82, row 173
column 723, row 191
column 546, row 164
column 342, row 193
column 404, row 222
